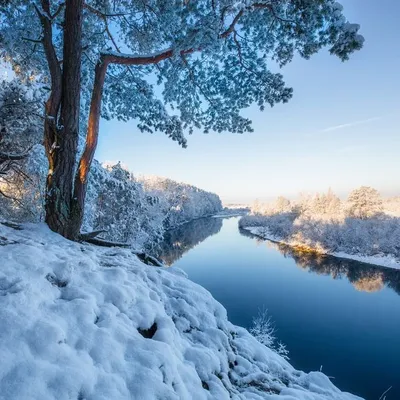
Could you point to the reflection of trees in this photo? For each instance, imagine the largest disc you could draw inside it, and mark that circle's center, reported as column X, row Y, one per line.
column 180, row 240
column 369, row 284
column 364, row 277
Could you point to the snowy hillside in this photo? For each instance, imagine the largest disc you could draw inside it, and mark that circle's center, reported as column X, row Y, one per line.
column 82, row 322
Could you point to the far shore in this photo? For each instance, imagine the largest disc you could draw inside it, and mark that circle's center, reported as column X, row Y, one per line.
column 379, row 260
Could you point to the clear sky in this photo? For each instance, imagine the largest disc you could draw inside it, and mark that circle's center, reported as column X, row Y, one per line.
column 340, row 130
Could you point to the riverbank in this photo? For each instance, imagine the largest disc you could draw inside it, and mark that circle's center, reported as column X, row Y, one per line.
column 380, row 260
column 228, row 212
column 84, row 322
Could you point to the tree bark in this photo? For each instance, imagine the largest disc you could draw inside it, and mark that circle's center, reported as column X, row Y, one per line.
column 62, row 135
column 81, row 176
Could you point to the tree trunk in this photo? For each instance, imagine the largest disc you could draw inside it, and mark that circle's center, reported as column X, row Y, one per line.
column 81, row 177
column 61, row 136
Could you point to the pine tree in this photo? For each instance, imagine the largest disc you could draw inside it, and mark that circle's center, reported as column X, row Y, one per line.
column 211, row 58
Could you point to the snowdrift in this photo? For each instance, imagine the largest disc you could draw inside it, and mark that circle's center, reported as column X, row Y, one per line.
column 86, row 323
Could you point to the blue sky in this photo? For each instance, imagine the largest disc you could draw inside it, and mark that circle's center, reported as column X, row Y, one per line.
column 340, row 130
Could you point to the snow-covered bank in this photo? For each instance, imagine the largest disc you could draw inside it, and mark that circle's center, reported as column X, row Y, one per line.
column 363, row 227
column 82, row 322
column 228, row 212
column 381, row 260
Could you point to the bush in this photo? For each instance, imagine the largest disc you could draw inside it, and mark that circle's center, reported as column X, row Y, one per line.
column 318, row 222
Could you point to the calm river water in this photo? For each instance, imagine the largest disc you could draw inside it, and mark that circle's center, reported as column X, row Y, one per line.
column 338, row 315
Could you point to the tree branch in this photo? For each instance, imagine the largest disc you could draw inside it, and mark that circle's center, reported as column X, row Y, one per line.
column 101, row 14
column 59, row 9
column 258, row 6
column 231, row 27
column 193, row 79
column 130, row 59
column 31, row 40
column 13, row 157
column 53, row 104
column 91, row 235
column 105, row 243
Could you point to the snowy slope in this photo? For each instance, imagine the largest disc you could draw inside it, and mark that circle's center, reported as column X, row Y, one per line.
column 81, row 322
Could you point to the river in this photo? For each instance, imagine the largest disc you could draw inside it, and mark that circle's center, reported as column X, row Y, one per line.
column 340, row 316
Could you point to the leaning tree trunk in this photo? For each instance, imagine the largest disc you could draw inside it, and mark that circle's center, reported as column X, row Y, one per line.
column 81, row 177
column 62, row 126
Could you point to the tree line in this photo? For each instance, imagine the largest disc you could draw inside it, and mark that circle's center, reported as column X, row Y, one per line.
column 364, row 224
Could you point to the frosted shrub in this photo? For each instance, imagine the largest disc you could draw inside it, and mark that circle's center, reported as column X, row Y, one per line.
column 23, row 166
column 264, row 331
column 392, row 206
column 359, row 226
column 117, row 203
column 364, row 202
column 253, row 220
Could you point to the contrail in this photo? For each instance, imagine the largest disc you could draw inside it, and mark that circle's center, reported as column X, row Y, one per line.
column 350, row 124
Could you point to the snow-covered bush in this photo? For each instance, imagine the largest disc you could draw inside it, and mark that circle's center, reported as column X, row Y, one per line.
column 280, row 225
column 280, row 205
column 139, row 211
column 25, row 189
column 20, row 115
column 117, row 204
column 264, row 331
column 391, row 206
column 321, row 222
column 23, row 166
column 364, row 202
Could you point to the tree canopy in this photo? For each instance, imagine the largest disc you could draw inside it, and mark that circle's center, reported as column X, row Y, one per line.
column 212, row 57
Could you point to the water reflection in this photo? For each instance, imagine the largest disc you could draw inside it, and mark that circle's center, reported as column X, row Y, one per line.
column 354, row 333
column 364, row 277
column 180, row 240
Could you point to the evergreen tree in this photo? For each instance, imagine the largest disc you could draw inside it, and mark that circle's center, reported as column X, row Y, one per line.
column 210, row 56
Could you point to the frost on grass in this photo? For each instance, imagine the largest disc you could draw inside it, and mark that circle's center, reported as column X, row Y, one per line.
column 82, row 322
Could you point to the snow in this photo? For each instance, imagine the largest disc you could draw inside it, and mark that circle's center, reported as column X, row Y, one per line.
column 381, row 260
column 231, row 212
column 70, row 316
